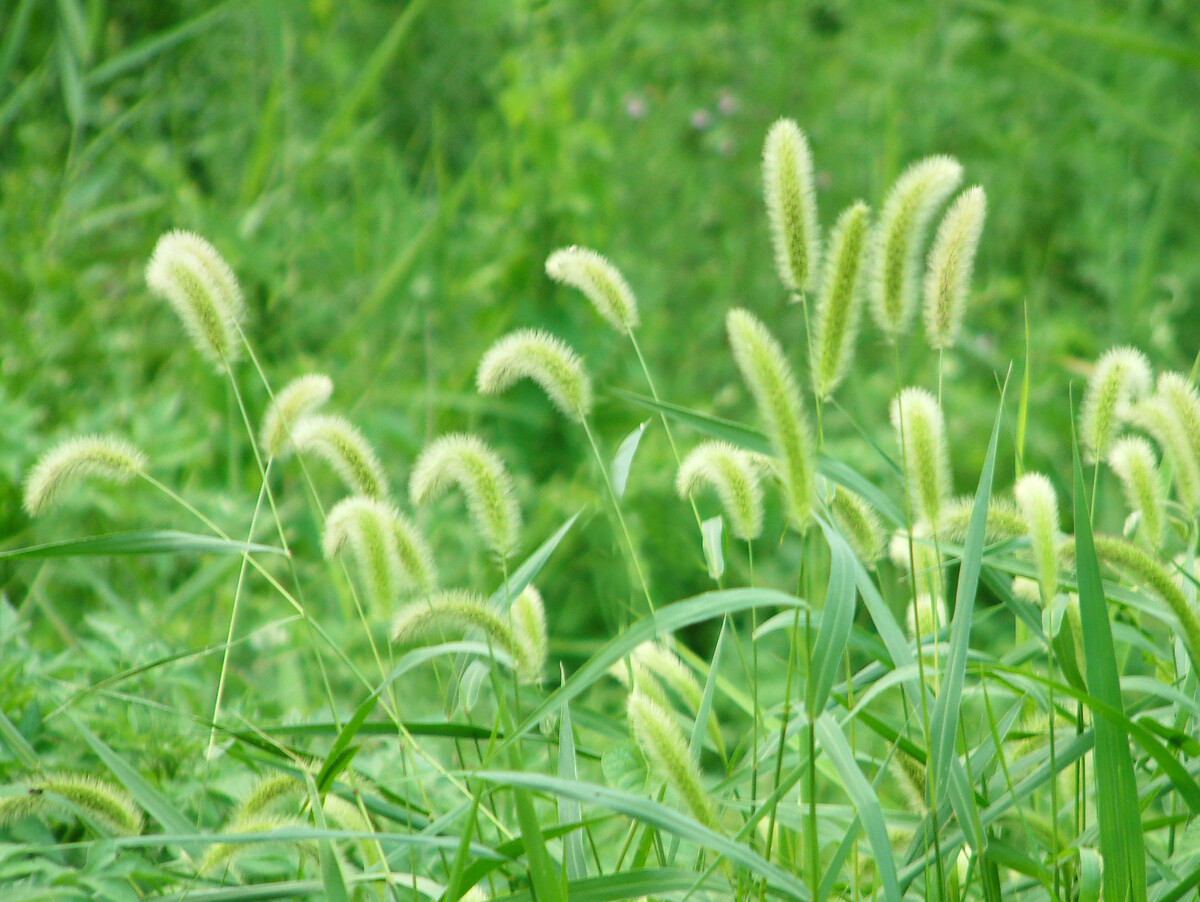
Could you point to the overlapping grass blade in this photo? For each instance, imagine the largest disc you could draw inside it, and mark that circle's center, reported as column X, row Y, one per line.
column 139, row 542
column 837, row 617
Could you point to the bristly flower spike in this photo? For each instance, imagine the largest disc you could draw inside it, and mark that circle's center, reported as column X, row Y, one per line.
column 194, row 279
column 1180, row 394
column 907, row 210
column 600, row 281
column 299, row 398
column 769, row 377
column 1038, row 503
column 859, row 525
column 1133, row 460
column 1158, row 417
column 105, row 804
column 1122, row 375
column 839, row 303
column 951, row 262
column 387, row 548
column 339, row 443
column 464, row 610
column 537, row 355
column 735, row 477
column 465, row 461
column 528, row 617
column 790, row 196
column 917, row 419
column 62, row 467
column 662, row 741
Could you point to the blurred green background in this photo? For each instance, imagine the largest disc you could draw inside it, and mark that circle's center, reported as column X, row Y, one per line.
column 387, row 179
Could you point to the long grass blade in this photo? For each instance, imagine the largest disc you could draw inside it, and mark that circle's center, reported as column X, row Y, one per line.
column 139, row 542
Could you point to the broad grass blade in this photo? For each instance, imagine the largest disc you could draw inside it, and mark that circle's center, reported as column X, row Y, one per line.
column 142, row 541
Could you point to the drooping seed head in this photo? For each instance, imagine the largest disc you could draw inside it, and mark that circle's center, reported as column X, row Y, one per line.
column 460, row 609
column 1038, row 503
column 858, row 524
column 62, row 468
column 766, row 372
column 340, row 444
column 730, row 471
column 299, row 398
column 1133, row 460
column 840, row 301
column 907, row 211
column 1121, row 377
column 1158, row 417
column 366, row 526
column 600, row 281
column 1004, row 520
column 223, row 857
column 528, row 616
column 665, row 665
column 466, row 462
column 537, row 355
column 662, row 742
column 105, row 804
column 192, row 277
column 951, row 262
column 917, row 419
column 790, row 196
column 1177, row 390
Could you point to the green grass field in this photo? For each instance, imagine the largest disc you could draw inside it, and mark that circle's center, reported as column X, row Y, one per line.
column 217, row 684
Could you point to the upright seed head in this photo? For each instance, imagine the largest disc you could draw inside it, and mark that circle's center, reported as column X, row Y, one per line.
column 537, row 355
column 951, row 262
column 662, row 742
column 367, row 527
column 839, row 303
column 600, row 281
column 1039, row 508
column 1121, row 376
column 193, row 278
column 528, row 616
column 734, row 476
column 465, row 461
column 339, row 443
column 62, row 467
column 1133, row 460
column 1180, row 394
column 926, row 616
column 917, row 419
column 907, row 210
column 769, row 377
column 788, row 189
column 463, row 610
column 858, row 524
column 299, row 398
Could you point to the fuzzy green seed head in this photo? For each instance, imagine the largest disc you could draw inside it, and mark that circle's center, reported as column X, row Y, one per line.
column 1004, row 521
column 105, row 804
column 1136, row 466
column 193, row 278
column 537, row 355
column 920, row 430
column 840, row 301
column 926, row 616
column 460, row 609
column 668, row 667
column 302, row 396
column 467, row 462
column 858, row 524
column 1179, row 392
column 951, row 262
column 1159, row 417
column 788, row 189
column 1121, row 377
column 730, row 471
column 366, row 526
column 340, row 444
column 766, row 372
column 1038, row 503
column 601, row 283
column 68, row 463
column 662, row 742
column 528, row 616
column 895, row 259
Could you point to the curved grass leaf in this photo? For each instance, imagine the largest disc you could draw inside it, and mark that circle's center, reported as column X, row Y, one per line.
column 623, row 459
column 837, row 617
column 142, row 541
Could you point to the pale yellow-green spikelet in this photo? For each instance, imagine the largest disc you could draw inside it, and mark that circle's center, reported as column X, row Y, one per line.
column 1121, row 377
column 104, row 804
column 463, row 610
column 917, row 419
column 299, row 398
column 223, row 856
column 1156, row 415
column 858, row 523
column 466, row 462
column 528, row 616
column 268, row 792
column 416, row 557
column 926, row 616
column 667, row 666
column 791, row 200
column 1177, row 390
column 899, row 235
column 367, row 526
column 601, row 283
column 840, row 300
column 537, row 355
column 951, row 263
column 1133, row 460
column 1004, row 520
column 191, row 275
column 66, row 464
column 730, row 471
column 662, row 742
column 1039, row 508
column 340, row 444
column 769, row 377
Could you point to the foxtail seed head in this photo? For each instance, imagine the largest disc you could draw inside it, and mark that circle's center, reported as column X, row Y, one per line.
column 769, row 377
column 105, row 804
column 528, row 617
column 537, row 355
column 299, row 398
column 1180, row 394
column 1133, row 460
column 194, row 279
column 1158, row 417
column 466, row 462
column 926, row 616
column 791, row 201
column 662, row 742
column 1039, row 508
column 62, row 467
column 339, row 443
column 600, row 281
column 907, row 210
column 730, row 471
column 951, row 262
column 464, row 610
column 1121, row 376
column 367, row 527
column 858, row 524
column 839, row 304
column 917, row 419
